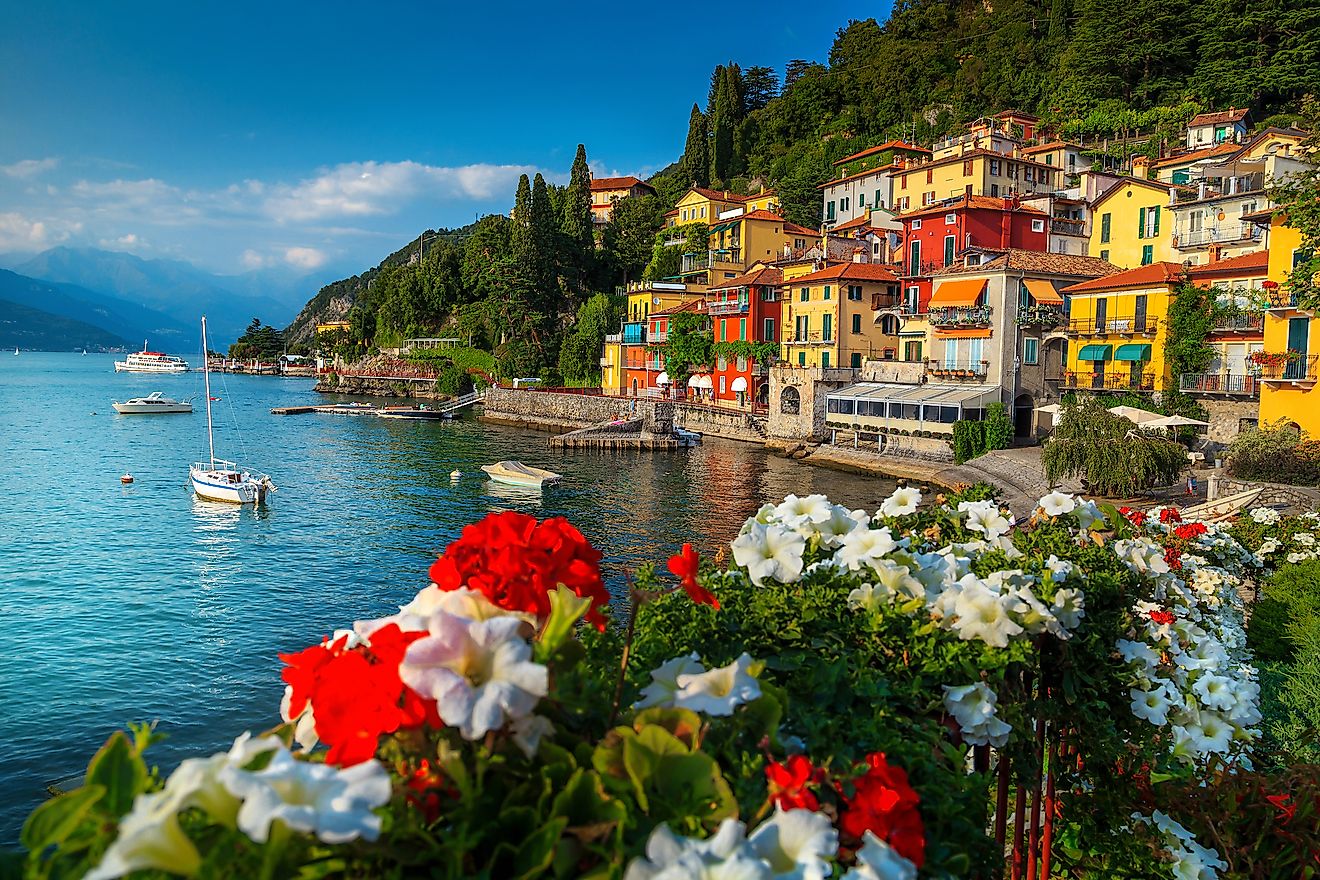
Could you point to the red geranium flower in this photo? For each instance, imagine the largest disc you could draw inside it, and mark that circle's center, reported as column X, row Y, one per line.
column 1188, row 531
column 426, row 785
column 886, row 805
column 517, row 562
column 1162, row 617
column 1173, row 556
column 790, row 784
column 684, row 567
column 1282, row 803
column 356, row 694
column 1136, row 517
column 1168, row 515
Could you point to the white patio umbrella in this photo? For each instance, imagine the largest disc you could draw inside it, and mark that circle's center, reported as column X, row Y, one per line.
column 1054, row 410
column 1175, row 422
column 1135, row 415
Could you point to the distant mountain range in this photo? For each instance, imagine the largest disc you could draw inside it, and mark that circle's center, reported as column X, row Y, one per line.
column 117, row 317
column 133, row 297
column 25, row 327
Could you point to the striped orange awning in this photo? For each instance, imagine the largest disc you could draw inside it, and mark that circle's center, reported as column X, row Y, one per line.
column 976, row 333
column 1043, row 291
column 959, row 292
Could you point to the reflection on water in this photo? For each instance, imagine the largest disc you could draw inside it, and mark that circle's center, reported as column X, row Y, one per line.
column 143, row 602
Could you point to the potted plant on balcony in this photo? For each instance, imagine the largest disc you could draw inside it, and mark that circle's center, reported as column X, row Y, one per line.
column 1274, row 360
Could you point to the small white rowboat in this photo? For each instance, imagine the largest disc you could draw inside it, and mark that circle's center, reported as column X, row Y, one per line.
column 515, row 473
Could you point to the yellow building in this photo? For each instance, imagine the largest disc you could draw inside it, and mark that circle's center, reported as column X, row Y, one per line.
column 611, row 364
column 1117, row 329
column 738, row 242
column 831, row 317
column 1289, row 372
column 1131, row 224
column 605, row 191
column 332, row 326
column 975, row 171
column 701, row 205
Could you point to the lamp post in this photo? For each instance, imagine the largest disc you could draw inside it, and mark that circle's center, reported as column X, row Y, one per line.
column 423, row 239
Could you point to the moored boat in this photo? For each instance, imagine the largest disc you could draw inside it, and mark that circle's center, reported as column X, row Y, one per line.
column 155, row 402
column 515, row 473
column 415, row 413
column 145, row 361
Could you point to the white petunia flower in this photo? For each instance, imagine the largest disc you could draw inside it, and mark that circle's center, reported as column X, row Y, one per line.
column 150, row 838
column 1265, row 516
column 981, row 614
column 867, row 597
column 719, row 691
column 903, row 501
column 1069, row 607
column 1211, row 734
column 664, row 680
column 877, row 860
column 863, row 546
column 304, row 732
column 725, row 855
column 334, row 804
column 770, row 552
column 479, row 672
column 1152, row 705
column 1215, row 692
column 985, row 517
column 841, row 524
column 796, row 512
column 1059, row 569
column 973, row 707
column 1057, row 504
column 1134, row 652
column 796, row 844
column 528, row 732
column 1142, row 556
column 1088, row 514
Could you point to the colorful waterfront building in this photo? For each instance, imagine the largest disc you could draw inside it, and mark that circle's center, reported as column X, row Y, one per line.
column 745, row 311
column 702, row 205
column 738, row 240
column 652, row 379
column 839, row 315
column 1288, row 367
column 625, row 367
column 1117, row 329
column 862, row 182
column 606, row 191
column 1217, row 127
column 1131, row 224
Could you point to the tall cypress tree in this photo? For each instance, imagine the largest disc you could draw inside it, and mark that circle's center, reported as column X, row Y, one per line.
column 695, row 163
column 544, row 230
column 521, row 237
column 727, row 116
column 576, row 221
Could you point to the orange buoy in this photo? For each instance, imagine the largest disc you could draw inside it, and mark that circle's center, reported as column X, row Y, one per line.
column 126, row 479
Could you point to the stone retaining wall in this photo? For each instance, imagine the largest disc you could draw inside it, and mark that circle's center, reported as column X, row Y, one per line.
column 720, row 423
column 379, row 388
column 1298, row 499
column 552, row 411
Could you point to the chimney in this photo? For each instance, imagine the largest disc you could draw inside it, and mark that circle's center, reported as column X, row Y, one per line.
column 859, row 255
column 1214, row 253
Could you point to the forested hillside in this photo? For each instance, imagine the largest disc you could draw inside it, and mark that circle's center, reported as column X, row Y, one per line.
column 1096, row 70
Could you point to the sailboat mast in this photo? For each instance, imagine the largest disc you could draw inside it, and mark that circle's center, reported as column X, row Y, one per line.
column 206, row 373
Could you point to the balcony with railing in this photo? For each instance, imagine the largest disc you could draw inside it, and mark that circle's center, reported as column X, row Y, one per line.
column 719, row 308
column 1286, row 368
column 634, row 333
column 1225, row 188
column 955, row 370
column 812, row 338
column 694, row 263
column 730, row 256
column 1110, row 381
column 613, row 338
column 959, row 316
column 1044, row 316
column 658, row 336
column 1240, row 322
column 1228, row 233
column 1126, row 326
column 1065, row 226
column 1278, row 298
column 891, row 301
column 921, row 269
column 1229, row 384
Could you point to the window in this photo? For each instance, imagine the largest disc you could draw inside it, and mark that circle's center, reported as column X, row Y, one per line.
column 1024, row 295
column 1037, row 225
column 684, row 215
column 913, row 300
column 996, row 168
column 1148, row 222
column 855, row 292
column 742, row 328
column 803, row 326
column 769, row 330
column 916, row 224
column 1104, row 255
column 903, row 185
column 703, row 210
column 724, row 332
column 722, row 384
column 1147, row 254
column 928, row 198
column 1194, row 221
column 722, row 363
column 994, row 190
column 825, row 359
column 827, row 327
column 930, row 175
column 802, row 362
column 1031, row 351
column 1012, row 171
column 855, row 360
column 950, row 241
column 827, row 291
column 805, row 295
column 799, row 243
column 857, row 323
column 914, row 258
column 843, row 204
column 742, row 364
column 829, row 210
column 950, row 219
column 967, row 168
column 1049, row 158
column 912, row 351
column 1029, row 174
column 879, row 202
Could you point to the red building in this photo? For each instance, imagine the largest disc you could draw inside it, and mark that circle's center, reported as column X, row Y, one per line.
column 644, row 369
column 937, row 235
column 744, row 309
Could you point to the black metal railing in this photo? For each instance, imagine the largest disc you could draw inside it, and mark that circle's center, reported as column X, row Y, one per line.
column 1297, row 368
column 1242, row 322
column 957, row 369
column 1041, row 316
column 1123, row 326
column 1237, row 384
column 1110, row 381
column 959, row 316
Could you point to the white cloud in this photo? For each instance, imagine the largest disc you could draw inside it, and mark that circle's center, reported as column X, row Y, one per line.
column 19, row 233
column 305, row 258
column 357, row 189
column 128, row 242
column 253, row 260
column 26, row 168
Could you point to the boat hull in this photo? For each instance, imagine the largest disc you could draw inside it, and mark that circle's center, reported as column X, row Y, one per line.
column 221, row 485
column 124, row 367
column 143, row 409
column 523, row 476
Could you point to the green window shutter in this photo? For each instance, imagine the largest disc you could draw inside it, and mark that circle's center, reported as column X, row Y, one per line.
column 1156, row 230
column 856, row 359
column 827, row 291
column 857, row 323
column 802, row 358
column 1141, row 223
column 825, row 359
column 1104, row 228
column 1147, row 254
column 742, row 328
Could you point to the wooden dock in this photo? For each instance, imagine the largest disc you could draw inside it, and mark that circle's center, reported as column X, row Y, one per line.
column 291, row 410
column 615, row 442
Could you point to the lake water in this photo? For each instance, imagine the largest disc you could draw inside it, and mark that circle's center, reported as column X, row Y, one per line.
column 142, row 603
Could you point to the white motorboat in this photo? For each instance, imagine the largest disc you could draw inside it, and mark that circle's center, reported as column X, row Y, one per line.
column 413, row 413
column 219, row 480
column 515, row 473
column 686, row 438
column 151, row 362
column 155, row 402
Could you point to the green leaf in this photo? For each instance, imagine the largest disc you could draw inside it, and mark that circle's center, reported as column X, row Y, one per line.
column 590, row 812
column 51, row 823
column 537, row 851
column 683, row 724
column 566, row 609
column 120, row 768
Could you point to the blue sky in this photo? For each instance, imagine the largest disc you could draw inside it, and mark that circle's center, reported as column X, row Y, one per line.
column 321, row 137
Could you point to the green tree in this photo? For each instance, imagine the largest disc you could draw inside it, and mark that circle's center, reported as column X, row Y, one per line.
column 579, row 356
column 1108, row 452
column 628, row 239
column 540, row 260
column 760, row 87
column 695, row 164
column 521, row 238
column 1191, row 318
column 577, row 223
column 726, row 118
column 687, row 346
column 1298, row 197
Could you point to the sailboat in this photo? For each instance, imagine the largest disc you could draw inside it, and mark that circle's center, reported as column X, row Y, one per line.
column 220, row 480
column 15, row 351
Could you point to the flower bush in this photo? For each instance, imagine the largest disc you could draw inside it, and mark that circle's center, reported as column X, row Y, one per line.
column 842, row 701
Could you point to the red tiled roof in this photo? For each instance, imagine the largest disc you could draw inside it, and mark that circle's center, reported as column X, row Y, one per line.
column 970, row 154
column 1157, row 185
column 599, row 184
column 1197, row 155
column 887, row 145
column 1253, row 263
column 1004, row 114
column 694, row 305
column 1233, row 115
column 1150, row 275
column 866, row 173
column 1035, row 262
column 987, row 203
column 864, row 221
column 1052, row 145
column 849, row 272
column 799, row 230
column 768, row 276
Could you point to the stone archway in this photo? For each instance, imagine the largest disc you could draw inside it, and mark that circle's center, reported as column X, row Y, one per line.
column 790, row 402
column 1024, row 416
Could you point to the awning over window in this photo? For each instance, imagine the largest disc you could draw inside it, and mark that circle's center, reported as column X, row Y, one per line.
column 1132, row 352
column 958, row 292
column 1095, row 352
column 739, row 384
column 662, row 379
column 1043, row 291
column 973, row 333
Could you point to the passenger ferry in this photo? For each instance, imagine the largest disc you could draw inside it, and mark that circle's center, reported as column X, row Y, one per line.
column 151, row 362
